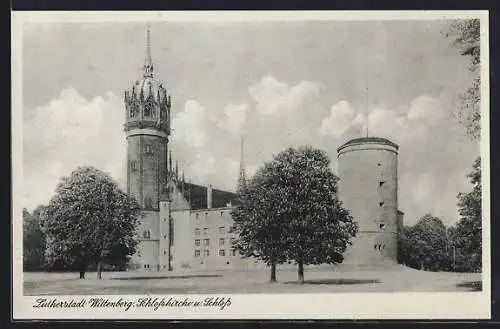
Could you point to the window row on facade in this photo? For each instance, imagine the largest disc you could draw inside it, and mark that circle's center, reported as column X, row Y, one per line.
column 206, row 242
column 197, row 215
column 222, row 252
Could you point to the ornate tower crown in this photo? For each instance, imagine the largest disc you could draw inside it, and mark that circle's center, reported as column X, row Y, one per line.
column 147, row 103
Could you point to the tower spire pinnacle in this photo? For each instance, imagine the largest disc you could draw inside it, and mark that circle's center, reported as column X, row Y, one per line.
column 148, row 63
column 367, row 110
column 242, row 179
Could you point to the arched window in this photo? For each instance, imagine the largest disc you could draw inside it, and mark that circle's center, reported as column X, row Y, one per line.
column 133, row 165
column 148, row 108
column 132, row 111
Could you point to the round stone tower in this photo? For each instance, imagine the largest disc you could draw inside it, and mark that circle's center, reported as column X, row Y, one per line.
column 368, row 187
column 147, row 127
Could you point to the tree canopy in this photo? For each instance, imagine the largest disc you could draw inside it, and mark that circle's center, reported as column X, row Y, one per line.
column 90, row 219
column 468, row 233
column 33, row 241
column 466, row 35
column 291, row 211
column 425, row 245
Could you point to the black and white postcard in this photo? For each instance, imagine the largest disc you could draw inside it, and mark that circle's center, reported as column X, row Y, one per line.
column 250, row 165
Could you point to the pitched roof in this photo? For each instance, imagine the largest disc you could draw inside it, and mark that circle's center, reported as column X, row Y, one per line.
column 196, row 195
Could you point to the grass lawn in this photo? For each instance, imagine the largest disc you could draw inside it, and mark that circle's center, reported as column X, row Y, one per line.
column 318, row 280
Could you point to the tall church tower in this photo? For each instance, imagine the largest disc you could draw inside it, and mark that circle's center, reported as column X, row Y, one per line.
column 147, row 127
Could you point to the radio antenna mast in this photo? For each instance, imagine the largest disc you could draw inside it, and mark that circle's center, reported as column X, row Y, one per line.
column 367, row 110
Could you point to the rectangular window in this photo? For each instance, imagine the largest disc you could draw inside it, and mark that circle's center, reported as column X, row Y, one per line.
column 222, row 252
column 205, row 231
column 221, row 241
column 221, row 229
column 206, row 242
column 233, row 252
column 206, row 252
column 196, row 253
column 197, row 232
column 197, row 242
column 133, row 165
column 148, row 149
column 197, row 215
column 232, row 240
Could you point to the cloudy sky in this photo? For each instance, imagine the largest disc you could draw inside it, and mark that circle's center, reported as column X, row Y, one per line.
column 277, row 84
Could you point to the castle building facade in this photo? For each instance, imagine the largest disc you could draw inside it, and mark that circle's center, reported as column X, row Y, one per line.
column 187, row 226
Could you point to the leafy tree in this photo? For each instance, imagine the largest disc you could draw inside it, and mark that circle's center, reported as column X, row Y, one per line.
column 33, row 241
column 467, row 239
column 403, row 246
column 318, row 229
column 256, row 220
column 296, row 211
column 426, row 244
column 465, row 35
column 90, row 219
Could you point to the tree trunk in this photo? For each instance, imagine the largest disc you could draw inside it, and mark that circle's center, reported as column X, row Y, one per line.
column 273, row 272
column 301, row 272
column 99, row 269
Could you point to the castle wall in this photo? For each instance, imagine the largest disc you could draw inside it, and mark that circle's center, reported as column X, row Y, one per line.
column 203, row 241
column 147, row 154
column 368, row 188
column 164, row 239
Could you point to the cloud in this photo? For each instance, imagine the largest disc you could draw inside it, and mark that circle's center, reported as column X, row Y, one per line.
column 68, row 132
column 273, row 97
column 425, row 108
column 203, row 167
column 341, row 117
column 234, row 117
column 434, row 153
column 189, row 125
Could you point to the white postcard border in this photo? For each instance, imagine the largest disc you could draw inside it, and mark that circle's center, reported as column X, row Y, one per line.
column 462, row 305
